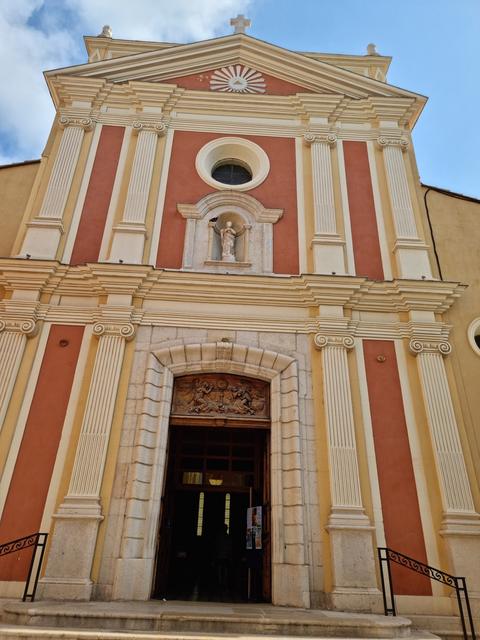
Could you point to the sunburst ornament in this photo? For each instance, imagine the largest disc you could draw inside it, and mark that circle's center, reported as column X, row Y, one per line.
column 237, row 79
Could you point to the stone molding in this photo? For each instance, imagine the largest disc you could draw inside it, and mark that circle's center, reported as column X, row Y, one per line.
column 354, row 292
column 212, row 201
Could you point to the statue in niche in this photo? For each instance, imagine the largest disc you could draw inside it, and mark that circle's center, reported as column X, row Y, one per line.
column 227, row 235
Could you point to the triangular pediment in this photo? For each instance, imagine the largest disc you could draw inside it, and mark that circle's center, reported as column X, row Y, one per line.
column 201, row 66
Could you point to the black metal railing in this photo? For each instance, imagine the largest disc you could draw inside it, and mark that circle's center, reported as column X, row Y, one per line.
column 386, row 556
column 38, row 541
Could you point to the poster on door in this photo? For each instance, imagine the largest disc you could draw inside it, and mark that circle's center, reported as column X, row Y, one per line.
column 254, row 528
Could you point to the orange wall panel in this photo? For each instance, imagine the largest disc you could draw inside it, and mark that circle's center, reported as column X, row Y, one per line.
column 97, row 200
column 398, row 492
column 366, row 243
column 23, row 511
column 185, row 186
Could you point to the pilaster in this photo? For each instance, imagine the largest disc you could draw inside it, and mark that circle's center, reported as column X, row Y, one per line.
column 410, row 249
column 44, row 232
column 129, row 236
column 327, row 245
column 67, row 575
column 17, row 324
column 461, row 522
column 351, row 535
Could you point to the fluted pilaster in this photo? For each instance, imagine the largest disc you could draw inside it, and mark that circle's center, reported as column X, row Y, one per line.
column 58, row 188
column 141, row 176
column 342, row 448
column 323, row 200
column 129, row 235
column 95, row 432
column 456, row 492
column 328, row 250
column 13, row 337
column 403, row 216
column 348, row 525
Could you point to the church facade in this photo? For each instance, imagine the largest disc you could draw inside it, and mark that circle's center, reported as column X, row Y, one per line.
column 224, row 334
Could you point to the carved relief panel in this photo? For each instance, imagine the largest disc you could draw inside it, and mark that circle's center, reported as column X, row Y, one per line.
column 221, row 396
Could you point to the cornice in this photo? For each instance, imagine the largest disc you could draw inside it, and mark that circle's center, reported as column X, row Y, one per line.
column 184, row 103
column 303, row 291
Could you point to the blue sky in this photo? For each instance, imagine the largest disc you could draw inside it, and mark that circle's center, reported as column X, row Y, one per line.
column 435, row 47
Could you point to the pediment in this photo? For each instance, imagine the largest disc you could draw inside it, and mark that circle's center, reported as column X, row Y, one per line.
column 198, row 65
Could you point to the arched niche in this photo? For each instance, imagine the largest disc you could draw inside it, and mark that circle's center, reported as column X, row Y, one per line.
column 251, row 249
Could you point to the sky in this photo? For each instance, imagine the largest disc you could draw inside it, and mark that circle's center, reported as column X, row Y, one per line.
column 435, row 46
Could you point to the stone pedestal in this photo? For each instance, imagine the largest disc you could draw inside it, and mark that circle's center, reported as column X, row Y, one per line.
column 67, row 576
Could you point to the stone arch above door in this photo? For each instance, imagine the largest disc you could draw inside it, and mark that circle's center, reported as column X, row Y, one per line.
column 290, row 571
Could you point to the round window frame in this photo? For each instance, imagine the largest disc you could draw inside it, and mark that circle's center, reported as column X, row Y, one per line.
column 234, row 150
column 472, row 332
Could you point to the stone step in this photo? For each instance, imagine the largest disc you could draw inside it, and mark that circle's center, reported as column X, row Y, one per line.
column 14, row 632
column 158, row 619
column 446, row 627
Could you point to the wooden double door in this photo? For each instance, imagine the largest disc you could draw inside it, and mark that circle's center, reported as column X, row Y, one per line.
column 214, row 475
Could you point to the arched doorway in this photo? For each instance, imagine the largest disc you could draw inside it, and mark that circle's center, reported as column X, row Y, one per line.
column 214, row 536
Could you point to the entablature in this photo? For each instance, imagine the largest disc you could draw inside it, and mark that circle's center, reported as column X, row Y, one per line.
column 108, row 99
column 145, row 283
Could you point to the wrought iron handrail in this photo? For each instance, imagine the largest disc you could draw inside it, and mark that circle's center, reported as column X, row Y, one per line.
column 386, row 555
column 36, row 540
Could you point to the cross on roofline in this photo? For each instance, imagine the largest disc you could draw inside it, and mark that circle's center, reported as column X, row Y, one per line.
column 240, row 23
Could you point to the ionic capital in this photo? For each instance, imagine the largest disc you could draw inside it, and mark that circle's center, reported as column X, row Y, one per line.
column 160, row 128
column 328, row 138
column 344, row 342
column 442, row 347
column 390, row 141
column 84, row 123
column 21, row 325
column 121, row 330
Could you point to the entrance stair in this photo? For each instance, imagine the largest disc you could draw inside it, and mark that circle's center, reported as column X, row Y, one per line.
column 157, row 620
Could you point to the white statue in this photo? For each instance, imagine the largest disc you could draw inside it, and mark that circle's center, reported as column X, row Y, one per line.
column 227, row 235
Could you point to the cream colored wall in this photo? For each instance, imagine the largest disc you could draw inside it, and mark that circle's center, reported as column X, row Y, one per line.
column 16, row 183
column 456, row 234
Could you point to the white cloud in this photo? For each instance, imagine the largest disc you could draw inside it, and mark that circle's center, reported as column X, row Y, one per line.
column 36, row 35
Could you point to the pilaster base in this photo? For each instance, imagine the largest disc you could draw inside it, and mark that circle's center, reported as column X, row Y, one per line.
column 127, row 244
column 328, row 254
column 461, row 533
column 412, row 259
column 353, row 559
column 67, row 574
column 64, row 589
column 366, row 600
column 42, row 239
column 290, row 585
